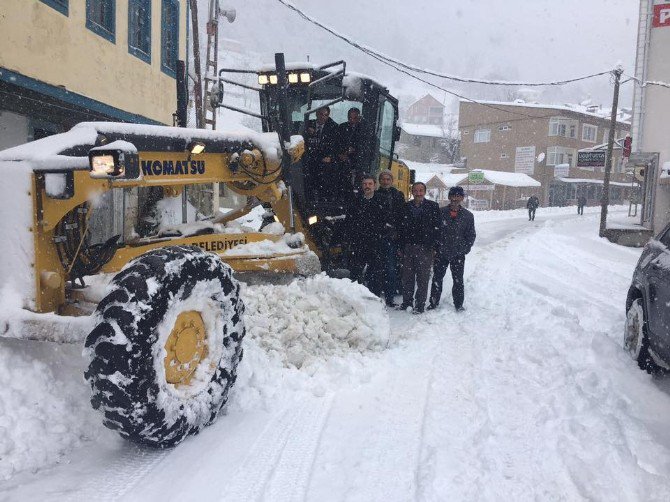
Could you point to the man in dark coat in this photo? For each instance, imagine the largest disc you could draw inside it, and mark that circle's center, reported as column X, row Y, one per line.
column 355, row 148
column 532, row 205
column 365, row 220
column 322, row 142
column 457, row 235
column 393, row 202
column 581, row 202
column 418, row 239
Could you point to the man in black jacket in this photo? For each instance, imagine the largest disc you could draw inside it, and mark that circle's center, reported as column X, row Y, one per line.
column 355, row 148
column 532, row 205
column 418, row 238
column 365, row 220
column 457, row 235
column 322, row 142
column 393, row 202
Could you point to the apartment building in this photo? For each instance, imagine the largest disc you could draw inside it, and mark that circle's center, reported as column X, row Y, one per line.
column 67, row 61
column 651, row 149
column 542, row 141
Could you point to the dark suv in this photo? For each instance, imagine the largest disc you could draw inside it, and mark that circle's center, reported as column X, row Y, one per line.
column 647, row 336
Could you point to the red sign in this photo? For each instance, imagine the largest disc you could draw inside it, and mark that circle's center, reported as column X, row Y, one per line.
column 661, row 15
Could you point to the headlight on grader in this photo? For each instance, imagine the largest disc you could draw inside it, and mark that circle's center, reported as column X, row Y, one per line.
column 110, row 162
column 103, row 166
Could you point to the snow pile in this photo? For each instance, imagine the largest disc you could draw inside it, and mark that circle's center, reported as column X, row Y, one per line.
column 314, row 319
column 44, row 405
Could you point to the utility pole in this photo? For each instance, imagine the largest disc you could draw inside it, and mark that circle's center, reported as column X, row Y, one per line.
column 197, row 88
column 610, row 147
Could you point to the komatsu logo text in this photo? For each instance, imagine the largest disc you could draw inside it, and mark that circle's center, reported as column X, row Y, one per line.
column 168, row 167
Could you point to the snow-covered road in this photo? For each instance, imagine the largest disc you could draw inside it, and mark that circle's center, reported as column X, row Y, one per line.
column 525, row 396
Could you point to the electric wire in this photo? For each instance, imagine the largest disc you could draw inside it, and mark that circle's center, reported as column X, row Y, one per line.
column 403, row 68
column 382, row 57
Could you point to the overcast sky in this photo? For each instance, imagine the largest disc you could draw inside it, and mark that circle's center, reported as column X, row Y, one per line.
column 511, row 39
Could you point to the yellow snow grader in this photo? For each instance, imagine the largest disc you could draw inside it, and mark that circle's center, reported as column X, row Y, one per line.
column 99, row 223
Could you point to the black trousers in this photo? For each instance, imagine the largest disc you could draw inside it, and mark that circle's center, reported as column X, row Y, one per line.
column 457, row 265
column 531, row 213
column 367, row 267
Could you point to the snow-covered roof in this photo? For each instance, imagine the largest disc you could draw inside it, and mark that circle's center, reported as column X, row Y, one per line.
column 509, row 179
column 429, row 166
column 428, row 130
column 602, row 113
column 595, row 182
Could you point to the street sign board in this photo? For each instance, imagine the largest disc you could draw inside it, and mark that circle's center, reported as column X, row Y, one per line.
column 591, row 159
column 661, row 14
column 475, row 177
column 480, row 188
column 524, row 161
column 561, row 170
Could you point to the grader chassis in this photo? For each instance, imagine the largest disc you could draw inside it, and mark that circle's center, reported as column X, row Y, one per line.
column 166, row 334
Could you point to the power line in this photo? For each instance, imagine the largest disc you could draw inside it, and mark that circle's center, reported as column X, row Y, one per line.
column 381, row 57
column 646, row 83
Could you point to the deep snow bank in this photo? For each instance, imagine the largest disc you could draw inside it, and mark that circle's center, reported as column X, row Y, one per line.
column 300, row 337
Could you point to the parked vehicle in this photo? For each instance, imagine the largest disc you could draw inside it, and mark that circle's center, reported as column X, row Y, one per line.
column 647, row 334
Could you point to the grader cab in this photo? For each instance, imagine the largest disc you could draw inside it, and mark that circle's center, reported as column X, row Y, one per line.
column 102, row 225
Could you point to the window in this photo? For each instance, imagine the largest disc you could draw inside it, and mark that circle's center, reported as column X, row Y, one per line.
column 139, row 29
column 169, row 36
column 385, row 123
column 482, row 135
column 505, row 127
column 560, row 126
column 606, row 135
column 559, row 155
column 101, row 18
column 589, row 133
column 60, row 5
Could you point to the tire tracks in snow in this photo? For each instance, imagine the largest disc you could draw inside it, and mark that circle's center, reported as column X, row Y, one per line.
column 121, row 475
column 279, row 465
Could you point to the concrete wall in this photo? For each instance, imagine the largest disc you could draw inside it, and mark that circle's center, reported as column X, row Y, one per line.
column 41, row 43
column 655, row 113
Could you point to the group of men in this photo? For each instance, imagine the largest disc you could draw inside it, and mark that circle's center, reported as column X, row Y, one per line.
column 337, row 155
column 383, row 230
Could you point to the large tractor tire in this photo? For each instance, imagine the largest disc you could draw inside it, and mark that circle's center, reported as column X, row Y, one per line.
column 165, row 347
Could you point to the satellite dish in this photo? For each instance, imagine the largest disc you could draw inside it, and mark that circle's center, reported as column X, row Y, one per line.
column 639, row 173
column 229, row 14
column 540, row 157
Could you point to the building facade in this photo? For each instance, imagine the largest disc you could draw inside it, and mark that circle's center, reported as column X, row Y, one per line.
column 426, row 110
column 651, row 103
column 541, row 141
column 67, row 61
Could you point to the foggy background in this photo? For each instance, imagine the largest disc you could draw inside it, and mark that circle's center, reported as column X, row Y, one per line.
column 535, row 40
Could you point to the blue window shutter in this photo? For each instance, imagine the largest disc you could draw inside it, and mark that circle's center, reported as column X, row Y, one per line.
column 169, row 36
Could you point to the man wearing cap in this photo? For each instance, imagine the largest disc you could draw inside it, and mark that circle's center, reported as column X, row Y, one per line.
column 418, row 238
column 456, row 237
column 392, row 202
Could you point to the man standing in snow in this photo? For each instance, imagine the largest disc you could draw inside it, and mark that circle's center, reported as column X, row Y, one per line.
column 581, row 202
column 457, row 235
column 392, row 202
column 418, row 238
column 532, row 205
column 364, row 222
